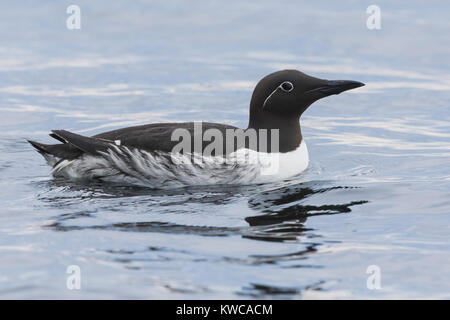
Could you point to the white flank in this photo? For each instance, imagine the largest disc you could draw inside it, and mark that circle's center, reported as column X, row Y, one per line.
column 163, row 170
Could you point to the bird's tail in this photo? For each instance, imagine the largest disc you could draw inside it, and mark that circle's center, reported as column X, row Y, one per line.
column 42, row 148
column 45, row 151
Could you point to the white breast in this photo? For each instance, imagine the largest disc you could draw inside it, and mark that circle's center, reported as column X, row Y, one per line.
column 281, row 166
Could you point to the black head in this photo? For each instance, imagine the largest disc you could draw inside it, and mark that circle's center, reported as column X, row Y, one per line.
column 288, row 93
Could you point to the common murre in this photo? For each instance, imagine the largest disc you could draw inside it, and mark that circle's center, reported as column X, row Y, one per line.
column 271, row 148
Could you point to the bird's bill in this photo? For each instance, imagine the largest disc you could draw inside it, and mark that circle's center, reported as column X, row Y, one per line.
column 336, row 87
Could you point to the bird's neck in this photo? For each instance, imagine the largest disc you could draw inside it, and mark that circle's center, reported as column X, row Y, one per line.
column 290, row 135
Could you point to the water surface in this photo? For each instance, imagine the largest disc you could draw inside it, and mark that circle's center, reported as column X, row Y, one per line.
column 376, row 192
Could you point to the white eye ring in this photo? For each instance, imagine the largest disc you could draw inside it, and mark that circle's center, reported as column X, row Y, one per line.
column 286, row 86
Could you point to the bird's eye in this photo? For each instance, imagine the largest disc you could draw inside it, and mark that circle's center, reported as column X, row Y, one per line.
column 287, row 86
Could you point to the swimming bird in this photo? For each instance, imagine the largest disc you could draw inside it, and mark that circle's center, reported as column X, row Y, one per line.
column 271, row 148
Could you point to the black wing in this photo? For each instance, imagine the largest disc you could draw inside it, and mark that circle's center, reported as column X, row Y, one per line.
column 151, row 137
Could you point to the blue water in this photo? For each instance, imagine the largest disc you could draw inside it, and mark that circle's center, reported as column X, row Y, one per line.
column 377, row 191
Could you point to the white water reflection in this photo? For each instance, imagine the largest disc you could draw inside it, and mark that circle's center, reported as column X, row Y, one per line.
column 28, row 62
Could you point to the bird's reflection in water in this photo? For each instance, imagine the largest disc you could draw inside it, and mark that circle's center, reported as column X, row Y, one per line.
column 282, row 218
column 284, row 215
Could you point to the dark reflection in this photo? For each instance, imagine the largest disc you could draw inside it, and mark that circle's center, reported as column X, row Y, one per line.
column 285, row 215
column 283, row 205
column 278, row 258
column 283, row 210
column 152, row 226
column 261, row 291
